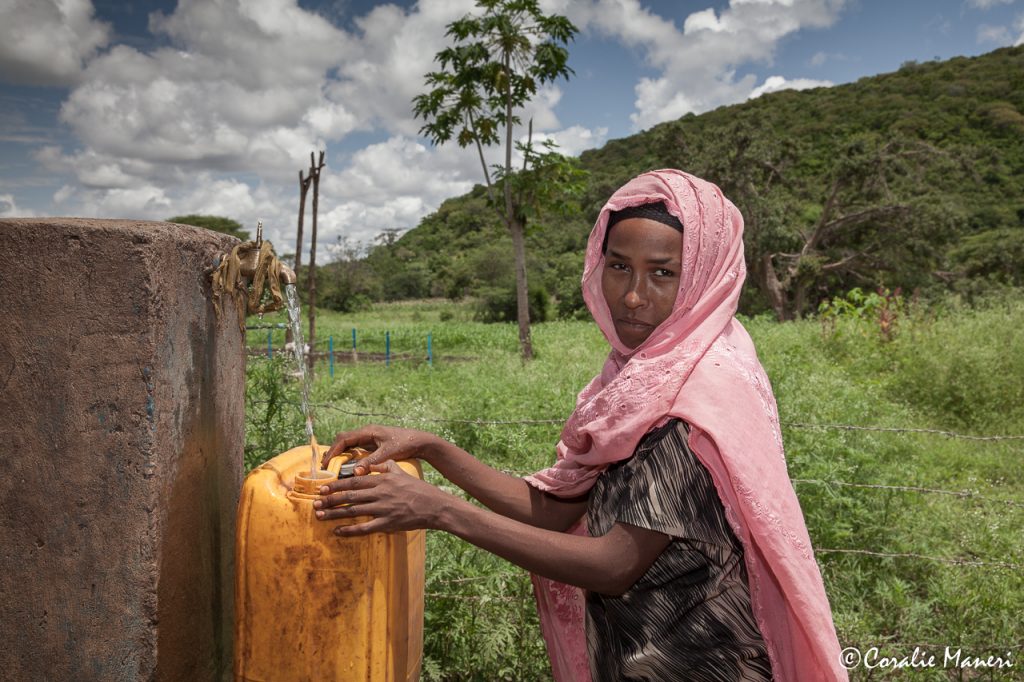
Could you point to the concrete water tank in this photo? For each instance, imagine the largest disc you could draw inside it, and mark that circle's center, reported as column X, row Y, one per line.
column 122, row 427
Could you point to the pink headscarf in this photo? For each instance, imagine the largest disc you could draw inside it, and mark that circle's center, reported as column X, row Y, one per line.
column 698, row 365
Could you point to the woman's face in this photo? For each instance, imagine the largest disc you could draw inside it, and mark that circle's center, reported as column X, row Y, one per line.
column 641, row 276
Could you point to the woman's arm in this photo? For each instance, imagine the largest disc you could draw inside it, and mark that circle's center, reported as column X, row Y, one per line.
column 503, row 493
column 608, row 564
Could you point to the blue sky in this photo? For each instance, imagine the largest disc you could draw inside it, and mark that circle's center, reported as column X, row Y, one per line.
column 123, row 109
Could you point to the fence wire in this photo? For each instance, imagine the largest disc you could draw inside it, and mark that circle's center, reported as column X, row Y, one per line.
column 958, row 494
column 561, row 420
column 962, row 494
column 956, row 561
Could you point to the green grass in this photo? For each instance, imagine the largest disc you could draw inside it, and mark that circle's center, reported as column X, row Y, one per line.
column 955, row 370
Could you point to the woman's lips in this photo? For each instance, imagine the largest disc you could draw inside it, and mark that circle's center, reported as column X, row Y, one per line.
column 634, row 324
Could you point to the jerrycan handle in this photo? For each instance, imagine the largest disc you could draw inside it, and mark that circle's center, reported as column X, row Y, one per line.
column 348, row 467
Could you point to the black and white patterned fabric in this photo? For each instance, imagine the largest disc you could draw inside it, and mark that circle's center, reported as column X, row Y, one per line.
column 689, row 616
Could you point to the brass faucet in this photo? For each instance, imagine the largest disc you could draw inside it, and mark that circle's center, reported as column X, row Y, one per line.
column 246, row 273
column 249, row 254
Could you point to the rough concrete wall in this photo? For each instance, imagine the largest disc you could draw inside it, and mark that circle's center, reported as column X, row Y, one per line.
column 121, row 437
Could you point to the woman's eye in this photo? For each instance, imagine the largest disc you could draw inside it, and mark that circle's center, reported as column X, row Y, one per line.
column 662, row 272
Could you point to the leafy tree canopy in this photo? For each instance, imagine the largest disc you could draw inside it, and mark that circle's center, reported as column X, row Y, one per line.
column 490, row 71
column 911, row 179
column 213, row 222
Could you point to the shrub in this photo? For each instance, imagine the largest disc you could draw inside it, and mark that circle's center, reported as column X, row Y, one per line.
column 498, row 304
column 273, row 423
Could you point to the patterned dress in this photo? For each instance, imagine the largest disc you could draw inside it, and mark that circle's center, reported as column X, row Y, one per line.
column 689, row 616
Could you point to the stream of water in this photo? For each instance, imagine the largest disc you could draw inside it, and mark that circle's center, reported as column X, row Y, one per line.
column 292, row 296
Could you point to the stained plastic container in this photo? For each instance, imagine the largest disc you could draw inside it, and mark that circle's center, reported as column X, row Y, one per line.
column 310, row 605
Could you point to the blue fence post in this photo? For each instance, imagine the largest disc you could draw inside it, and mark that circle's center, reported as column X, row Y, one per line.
column 387, row 349
column 430, row 352
column 354, row 358
column 330, row 352
column 270, row 343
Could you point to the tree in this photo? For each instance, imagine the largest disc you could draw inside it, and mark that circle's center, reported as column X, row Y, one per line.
column 304, row 183
column 401, row 272
column 314, row 174
column 872, row 222
column 492, row 70
column 824, row 217
column 350, row 283
column 213, row 222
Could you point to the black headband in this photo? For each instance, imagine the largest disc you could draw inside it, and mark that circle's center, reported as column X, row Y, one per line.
column 655, row 211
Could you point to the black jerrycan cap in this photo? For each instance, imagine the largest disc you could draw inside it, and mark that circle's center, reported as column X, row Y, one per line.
column 348, row 469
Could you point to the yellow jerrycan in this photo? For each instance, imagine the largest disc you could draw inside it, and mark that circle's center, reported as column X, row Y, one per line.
column 310, row 605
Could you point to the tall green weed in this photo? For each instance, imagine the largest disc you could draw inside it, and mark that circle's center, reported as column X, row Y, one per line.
column 864, row 490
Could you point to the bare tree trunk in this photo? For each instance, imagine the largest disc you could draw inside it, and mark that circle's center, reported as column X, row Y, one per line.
column 517, row 229
column 483, row 161
column 314, row 175
column 522, row 292
column 772, row 288
column 799, row 299
column 303, row 188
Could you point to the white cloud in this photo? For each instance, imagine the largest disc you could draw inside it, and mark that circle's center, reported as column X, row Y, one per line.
column 986, row 4
column 144, row 202
column 819, row 58
column 542, row 109
column 258, row 43
column 9, row 209
column 207, row 194
column 698, row 64
column 705, row 20
column 46, row 42
column 999, row 35
column 1003, row 35
column 221, row 117
column 575, row 139
column 393, row 184
column 395, row 50
column 242, row 81
column 387, row 185
column 100, row 171
column 251, row 88
column 245, row 87
column 777, row 83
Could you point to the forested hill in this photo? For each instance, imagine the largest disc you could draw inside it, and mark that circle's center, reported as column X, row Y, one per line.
column 912, row 179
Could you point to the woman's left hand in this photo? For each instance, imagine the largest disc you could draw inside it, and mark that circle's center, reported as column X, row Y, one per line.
column 396, row 500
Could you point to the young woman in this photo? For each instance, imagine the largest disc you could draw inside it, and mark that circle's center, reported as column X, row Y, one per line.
column 666, row 542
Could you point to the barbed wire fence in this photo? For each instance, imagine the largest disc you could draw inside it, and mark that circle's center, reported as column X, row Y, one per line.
column 438, row 586
column 959, row 494
column 561, row 420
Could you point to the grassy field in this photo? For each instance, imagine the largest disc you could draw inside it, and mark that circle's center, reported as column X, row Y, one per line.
column 917, row 529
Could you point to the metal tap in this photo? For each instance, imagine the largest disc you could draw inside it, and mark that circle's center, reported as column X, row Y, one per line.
column 249, row 255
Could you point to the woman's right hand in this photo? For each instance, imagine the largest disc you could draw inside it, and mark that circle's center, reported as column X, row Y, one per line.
column 395, row 500
column 385, row 443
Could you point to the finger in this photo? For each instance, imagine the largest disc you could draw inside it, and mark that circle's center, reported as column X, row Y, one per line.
column 344, row 441
column 389, row 466
column 354, row 501
column 365, row 437
column 376, row 461
column 346, row 484
column 348, row 497
column 351, row 483
column 344, row 512
column 372, row 526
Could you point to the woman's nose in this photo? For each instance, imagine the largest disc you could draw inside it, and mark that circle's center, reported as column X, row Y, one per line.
column 635, row 295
